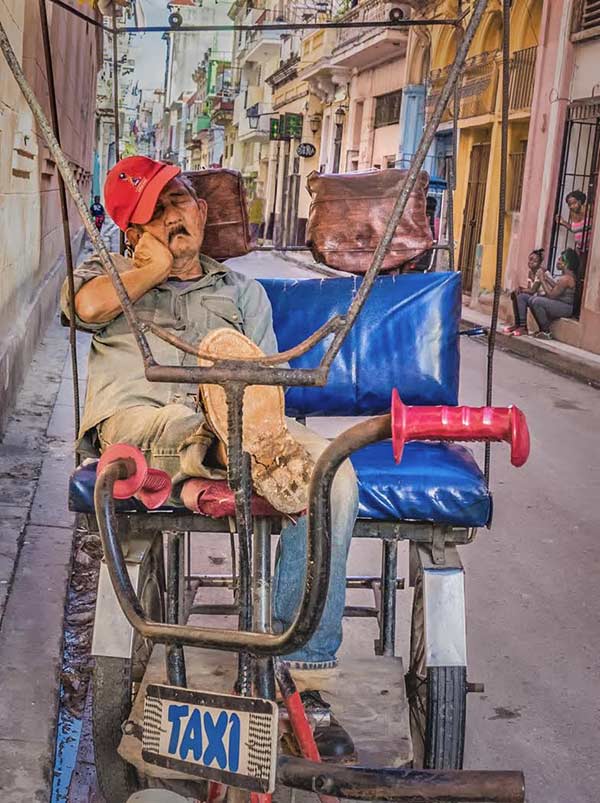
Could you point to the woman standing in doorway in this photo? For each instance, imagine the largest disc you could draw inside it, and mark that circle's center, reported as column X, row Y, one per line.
column 577, row 203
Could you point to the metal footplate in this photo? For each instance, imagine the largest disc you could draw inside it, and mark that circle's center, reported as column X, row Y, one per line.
column 218, row 737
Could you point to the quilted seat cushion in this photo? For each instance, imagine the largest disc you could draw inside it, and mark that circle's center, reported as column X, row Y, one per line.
column 435, row 482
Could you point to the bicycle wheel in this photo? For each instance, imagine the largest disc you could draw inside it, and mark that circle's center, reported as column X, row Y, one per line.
column 115, row 682
column 437, row 699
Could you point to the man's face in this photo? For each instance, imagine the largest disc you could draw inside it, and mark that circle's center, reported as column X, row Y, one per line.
column 178, row 220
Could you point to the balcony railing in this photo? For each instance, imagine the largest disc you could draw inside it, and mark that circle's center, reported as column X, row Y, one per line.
column 437, row 79
column 369, row 11
column 479, row 84
column 522, row 74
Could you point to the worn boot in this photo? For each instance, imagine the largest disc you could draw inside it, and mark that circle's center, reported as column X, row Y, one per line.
column 333, row 741
column 281, row 467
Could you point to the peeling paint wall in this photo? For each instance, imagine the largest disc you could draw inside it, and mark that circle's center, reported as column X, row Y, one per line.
column 31, row 239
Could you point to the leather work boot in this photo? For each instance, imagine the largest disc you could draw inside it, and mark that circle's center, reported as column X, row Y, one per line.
column 333, row 741
column 281, row 467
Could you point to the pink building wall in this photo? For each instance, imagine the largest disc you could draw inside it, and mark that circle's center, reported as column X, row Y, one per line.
column 533, row 224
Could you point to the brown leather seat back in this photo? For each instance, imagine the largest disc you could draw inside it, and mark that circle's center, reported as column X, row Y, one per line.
column 227, row 232
column 349, row 212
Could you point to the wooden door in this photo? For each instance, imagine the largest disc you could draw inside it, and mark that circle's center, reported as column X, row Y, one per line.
column 473, row 212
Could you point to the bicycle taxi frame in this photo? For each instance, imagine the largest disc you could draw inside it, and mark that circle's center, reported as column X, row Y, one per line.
column 134, row 585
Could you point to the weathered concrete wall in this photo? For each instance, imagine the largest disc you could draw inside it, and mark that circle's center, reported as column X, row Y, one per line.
column 31, row 238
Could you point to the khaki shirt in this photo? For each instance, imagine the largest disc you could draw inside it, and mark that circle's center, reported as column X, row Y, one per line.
column 190, row 309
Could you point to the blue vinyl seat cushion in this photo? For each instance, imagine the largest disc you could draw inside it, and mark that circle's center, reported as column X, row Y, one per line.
column 405, row 337
column 435, row 482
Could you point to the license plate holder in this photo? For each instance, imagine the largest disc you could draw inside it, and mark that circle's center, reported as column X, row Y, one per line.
column 217, row 737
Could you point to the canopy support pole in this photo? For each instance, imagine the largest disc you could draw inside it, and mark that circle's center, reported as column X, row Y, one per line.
column 65, row 215
column 501, row 216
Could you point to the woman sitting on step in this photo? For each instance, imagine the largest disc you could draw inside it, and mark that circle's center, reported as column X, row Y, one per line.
column 554, row 299
column 523, row 297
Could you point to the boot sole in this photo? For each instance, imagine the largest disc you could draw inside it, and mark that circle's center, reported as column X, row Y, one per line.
column 281, row 467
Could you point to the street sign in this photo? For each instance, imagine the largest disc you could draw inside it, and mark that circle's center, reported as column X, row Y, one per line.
column 274, row 128
column 285, row 127
column 306, row 149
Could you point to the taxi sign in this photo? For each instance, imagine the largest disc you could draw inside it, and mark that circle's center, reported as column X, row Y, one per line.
column 219, row 737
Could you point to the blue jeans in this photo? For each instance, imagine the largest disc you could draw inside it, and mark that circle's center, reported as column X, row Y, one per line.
column 290, row 569
column 174, row 439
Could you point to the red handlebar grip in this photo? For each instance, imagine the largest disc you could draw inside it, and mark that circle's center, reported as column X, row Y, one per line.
column 459, row 424
column 156, row 489
column 150, row 485
column 126, row 488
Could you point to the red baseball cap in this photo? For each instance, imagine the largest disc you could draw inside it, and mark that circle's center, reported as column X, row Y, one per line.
column 132, row 188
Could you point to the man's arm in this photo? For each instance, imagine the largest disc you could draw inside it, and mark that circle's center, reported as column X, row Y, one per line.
column 97, row 301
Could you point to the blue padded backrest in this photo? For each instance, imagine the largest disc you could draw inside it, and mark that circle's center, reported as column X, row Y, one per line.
column 406, row 336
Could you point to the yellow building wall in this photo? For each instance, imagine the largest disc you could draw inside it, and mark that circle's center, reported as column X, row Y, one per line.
column 525, row 25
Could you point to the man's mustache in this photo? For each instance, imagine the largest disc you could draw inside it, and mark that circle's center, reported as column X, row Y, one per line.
column 180, row 229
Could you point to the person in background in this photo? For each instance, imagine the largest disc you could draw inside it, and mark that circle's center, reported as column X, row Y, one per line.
column 559, row 295
column 97, row 212
column 255, row 216
column 522, row 298
column 577, row 203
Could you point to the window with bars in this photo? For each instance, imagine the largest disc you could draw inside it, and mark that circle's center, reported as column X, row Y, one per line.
column 586, row 18
column 387, row 109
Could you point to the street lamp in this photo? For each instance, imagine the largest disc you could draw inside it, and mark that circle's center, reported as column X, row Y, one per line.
column 253, row 121
column 315, row 122
column 340, row 115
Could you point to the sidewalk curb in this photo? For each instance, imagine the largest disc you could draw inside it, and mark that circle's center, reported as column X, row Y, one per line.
column 557, row 357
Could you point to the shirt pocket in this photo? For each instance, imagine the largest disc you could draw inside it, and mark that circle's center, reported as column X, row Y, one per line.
column 222, row 311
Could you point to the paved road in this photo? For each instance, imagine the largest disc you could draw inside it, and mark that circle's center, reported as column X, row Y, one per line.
column 533, row 590
column 532, row 585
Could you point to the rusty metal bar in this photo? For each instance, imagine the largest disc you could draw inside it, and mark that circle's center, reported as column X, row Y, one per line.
column 408, row 785
column 409, row 182
column 115, row 62
column 64, row 209
column 501, row 217
column 264, row 27
column 244, row 371
column 71, row 184
column 276, row 359
column 311, row 606
column 288, row 26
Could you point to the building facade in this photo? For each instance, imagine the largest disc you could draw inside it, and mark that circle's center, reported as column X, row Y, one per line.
column 565, row 156
column 31, row 236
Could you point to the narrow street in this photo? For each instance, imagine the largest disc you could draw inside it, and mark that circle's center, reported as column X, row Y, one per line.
column 371, row 136
column 532, row 591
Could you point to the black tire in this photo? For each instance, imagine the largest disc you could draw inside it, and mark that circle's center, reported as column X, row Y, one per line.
column 114, row 686
column 175, row 20
column 111, row 705
column 437, row 699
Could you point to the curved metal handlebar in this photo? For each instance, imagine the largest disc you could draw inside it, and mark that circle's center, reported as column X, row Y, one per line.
column 318, row 558
column 405, row 423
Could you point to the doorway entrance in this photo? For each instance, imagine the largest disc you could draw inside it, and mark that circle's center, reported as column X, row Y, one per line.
column 473, row 212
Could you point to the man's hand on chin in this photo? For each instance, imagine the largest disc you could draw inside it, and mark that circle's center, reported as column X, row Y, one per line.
column 152, row 256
